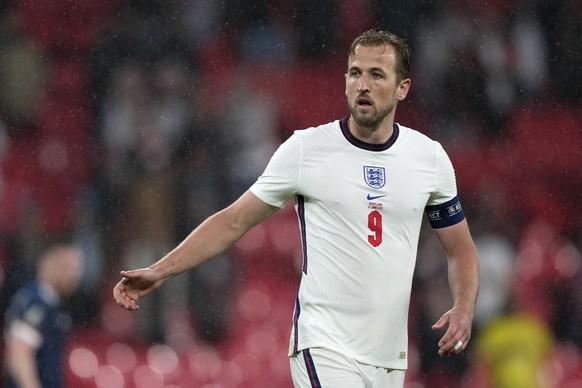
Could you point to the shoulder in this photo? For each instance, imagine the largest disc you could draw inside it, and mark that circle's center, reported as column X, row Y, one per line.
column 28, row 305
column 309, row 140
column 418, row 141
column 29, row 293
column 330, row 129
column 35, row 293
column 411, row 134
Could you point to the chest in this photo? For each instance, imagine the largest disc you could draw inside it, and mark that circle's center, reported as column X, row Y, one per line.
column 396, row 183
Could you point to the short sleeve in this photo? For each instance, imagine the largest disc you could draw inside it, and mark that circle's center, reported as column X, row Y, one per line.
column 446, row 185
column 280, row 180
column 444, row 208
column 24, row 320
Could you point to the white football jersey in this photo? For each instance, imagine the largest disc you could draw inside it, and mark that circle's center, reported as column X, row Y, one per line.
column 360, row 209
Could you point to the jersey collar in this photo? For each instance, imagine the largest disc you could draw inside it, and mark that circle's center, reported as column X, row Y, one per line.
column 368, row 146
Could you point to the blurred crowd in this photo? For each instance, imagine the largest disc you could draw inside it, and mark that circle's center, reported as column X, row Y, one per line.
column 125, row 124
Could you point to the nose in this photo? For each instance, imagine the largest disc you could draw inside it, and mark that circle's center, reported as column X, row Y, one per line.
column 363, row 83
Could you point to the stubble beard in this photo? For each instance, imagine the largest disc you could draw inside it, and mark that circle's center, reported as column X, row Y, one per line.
column 370, row 121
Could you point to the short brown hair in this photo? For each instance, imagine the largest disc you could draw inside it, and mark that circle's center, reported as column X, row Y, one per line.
column 376, row 37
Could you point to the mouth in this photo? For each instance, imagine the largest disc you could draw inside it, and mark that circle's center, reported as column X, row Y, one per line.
column 363, row 102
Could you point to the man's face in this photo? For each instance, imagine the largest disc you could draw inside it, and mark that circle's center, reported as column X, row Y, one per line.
column 372, row 85
column 69, row 271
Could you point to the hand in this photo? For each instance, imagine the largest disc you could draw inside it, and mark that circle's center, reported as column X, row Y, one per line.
column 458, row 333
column 135, row 285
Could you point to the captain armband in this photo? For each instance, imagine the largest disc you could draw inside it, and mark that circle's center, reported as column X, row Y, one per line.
column 445, row 214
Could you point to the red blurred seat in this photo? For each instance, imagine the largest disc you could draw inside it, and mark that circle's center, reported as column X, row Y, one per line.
column 65, row 25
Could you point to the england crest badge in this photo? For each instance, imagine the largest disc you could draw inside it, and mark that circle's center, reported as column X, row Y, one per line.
column 375, row 177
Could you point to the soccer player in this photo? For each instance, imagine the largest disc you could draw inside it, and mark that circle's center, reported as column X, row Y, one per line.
column 36, row 324
column 360, row 186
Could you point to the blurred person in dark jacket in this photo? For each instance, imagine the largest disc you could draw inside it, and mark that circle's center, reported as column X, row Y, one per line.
column 36, row 324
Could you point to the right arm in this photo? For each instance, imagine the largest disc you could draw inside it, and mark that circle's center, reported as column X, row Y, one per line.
column 21, row 362
column 211, row 238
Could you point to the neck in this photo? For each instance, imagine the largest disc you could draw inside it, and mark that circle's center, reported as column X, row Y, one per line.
column 49, row 290
column 372, row 135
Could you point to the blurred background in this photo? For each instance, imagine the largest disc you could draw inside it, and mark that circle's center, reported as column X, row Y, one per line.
column 125, row 124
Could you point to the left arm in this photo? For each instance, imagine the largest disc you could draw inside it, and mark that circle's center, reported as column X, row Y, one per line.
column 463, row 272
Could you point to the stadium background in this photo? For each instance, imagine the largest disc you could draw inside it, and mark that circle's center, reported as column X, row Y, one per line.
column 125, row 124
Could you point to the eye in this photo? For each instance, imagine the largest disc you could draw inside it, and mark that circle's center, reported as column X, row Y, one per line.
column 355, row 73
column 377, row 75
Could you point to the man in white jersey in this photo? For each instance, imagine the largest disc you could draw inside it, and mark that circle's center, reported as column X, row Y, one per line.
column 360, row 187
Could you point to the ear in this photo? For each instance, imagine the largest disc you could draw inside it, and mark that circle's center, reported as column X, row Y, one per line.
column 402, row 90
column 346, row 83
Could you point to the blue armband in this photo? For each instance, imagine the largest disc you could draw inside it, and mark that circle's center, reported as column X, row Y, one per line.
column 445, row 214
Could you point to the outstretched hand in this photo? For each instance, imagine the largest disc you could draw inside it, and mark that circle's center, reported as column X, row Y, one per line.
column 135, row 285
column 458, row 333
